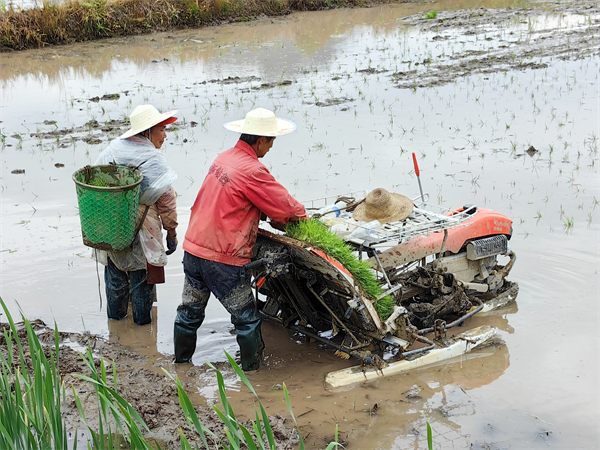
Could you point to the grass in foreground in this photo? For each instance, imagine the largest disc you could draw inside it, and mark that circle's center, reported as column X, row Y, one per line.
column 31, row 392
column 316, row 233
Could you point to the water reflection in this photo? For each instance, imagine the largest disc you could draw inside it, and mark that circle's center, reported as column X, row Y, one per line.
column 374, row 414
column 445, row 399
column 496, row 318
column 287, row 40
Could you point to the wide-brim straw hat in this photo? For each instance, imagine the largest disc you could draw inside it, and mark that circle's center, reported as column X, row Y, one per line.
column 261, row 122
column 144, row 117
column 384, row 207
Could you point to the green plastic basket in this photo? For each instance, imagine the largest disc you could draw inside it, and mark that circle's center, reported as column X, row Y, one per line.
column 108, row 198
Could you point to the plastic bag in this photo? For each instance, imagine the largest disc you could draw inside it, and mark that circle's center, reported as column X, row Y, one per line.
column 151, row 240
column 332, row 210
column 363, row 230
column 141, row 153
column 339, row 226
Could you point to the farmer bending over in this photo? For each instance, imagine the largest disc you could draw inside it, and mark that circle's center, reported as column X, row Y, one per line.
column 222, row 232
column 131, row 274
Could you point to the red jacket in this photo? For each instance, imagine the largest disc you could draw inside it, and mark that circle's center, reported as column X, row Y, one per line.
column 224, row 220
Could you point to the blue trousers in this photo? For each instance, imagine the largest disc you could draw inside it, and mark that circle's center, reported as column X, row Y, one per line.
column 232, row 288
column 123, row 287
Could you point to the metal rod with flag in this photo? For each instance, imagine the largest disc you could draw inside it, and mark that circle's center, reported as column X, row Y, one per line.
column 418, row 177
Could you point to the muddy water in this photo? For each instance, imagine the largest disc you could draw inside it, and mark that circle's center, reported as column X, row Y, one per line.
column 477, row 92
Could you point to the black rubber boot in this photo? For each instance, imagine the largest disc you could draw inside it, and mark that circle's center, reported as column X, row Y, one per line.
column 188, row 320
column 249, row 338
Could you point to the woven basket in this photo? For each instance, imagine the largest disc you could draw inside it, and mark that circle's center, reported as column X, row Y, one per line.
column 108, row 198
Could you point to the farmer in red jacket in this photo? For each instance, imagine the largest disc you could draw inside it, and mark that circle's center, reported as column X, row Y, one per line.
column 237, row 190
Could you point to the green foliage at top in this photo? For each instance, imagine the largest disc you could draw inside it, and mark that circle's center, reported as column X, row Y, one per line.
column 316, row 233
column 431, row 14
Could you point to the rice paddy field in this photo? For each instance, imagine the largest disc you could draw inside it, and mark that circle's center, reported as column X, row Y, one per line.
column 499, row 100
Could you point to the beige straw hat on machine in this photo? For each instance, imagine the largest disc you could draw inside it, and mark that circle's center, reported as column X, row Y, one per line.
column 384, row 207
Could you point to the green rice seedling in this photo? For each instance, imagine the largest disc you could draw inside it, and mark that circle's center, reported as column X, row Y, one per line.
column 30, row 393
column 131, row 426
column 128, row 422
column 260, row 436
column 316, row 233
column 429, row 437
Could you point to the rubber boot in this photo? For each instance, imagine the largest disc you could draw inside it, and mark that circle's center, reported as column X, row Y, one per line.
column 117, row 291
column 249, row 338
column 142, row 297
column 188, row 320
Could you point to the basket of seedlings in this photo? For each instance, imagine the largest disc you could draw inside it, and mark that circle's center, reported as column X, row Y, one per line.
column 108, row 198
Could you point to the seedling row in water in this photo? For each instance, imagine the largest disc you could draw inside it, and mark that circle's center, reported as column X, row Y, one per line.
column 511, row 108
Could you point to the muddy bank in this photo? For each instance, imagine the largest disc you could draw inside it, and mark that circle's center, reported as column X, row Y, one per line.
column 146, row 388
column 73, row 21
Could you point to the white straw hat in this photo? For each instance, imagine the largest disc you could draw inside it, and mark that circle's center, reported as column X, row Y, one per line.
column 261, row 122
column 383, row 206
column 144, row 117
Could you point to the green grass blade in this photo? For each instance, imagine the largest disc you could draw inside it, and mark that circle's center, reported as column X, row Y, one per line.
column 233, row 440
column 286, row 395
column 14, row 332
column 8, row 339
column 240, row 373
column 34, row 407
column 335, row 443
column 227, row 421
column 248, row 440
column 6, row 439
column 429, row 437
column 258, row 429
column 223, row 394
column 189, row 411
column 184, row 443
column 114, row 367
column 228, row 416
column 108, row 394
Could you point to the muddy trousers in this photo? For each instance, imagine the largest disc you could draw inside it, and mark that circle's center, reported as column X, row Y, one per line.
column 232, row 288
column 123, row 287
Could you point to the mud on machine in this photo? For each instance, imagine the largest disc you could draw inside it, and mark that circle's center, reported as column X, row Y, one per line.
column 440, row 267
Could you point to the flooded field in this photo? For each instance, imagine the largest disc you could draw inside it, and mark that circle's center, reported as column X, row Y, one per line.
column 498, row 99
